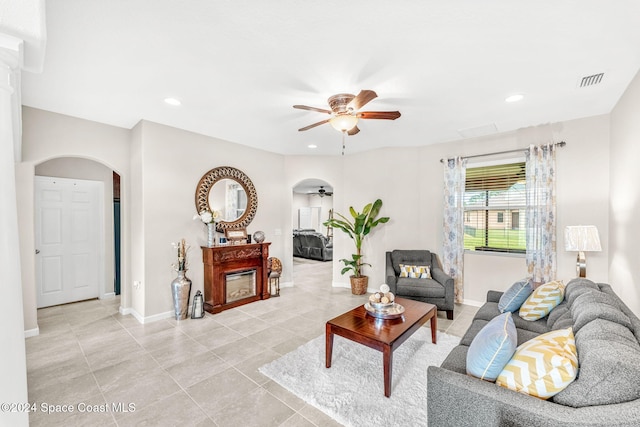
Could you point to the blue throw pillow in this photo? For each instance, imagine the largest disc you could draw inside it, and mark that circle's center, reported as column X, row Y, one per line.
column 492, row 348
column 515, row 296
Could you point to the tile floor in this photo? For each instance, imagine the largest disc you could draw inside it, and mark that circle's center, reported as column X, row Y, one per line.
column 194, row 372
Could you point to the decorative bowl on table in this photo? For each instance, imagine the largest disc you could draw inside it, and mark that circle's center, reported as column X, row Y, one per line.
column 394, row 311
column 381, row 304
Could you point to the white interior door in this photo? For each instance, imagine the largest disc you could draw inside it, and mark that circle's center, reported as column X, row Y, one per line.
column 69, row 234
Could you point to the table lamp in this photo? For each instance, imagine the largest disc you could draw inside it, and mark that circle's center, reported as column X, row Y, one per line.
column 581, row 238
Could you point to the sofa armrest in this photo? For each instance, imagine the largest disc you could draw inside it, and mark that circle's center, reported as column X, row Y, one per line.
column 494, row 296
column 455, row 399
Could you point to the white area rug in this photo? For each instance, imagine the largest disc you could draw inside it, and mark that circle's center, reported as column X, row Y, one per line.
column 352, row 390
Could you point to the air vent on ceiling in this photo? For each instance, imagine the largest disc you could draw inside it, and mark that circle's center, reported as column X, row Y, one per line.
column 591, row 80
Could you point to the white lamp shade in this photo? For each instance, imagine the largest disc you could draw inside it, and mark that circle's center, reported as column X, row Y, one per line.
column 343, row 122
column 583, row 238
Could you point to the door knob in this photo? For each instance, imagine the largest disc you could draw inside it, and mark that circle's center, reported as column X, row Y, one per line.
column 37, row 251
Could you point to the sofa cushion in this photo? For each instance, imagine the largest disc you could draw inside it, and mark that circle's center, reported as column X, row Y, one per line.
column 412, row 257
column 559, row 311
column 492, row 348
column 542, row 300
column 472, row 331
column 490, row 310
column 409, row 287
column 565, row 321
column 543, row 366
column 415, row 271
column 456, row 360
column 596, row 305
column 577, row 287
column 609, row 357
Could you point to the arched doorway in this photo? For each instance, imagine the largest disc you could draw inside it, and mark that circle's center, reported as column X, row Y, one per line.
column 312, row 205
column 89, row 171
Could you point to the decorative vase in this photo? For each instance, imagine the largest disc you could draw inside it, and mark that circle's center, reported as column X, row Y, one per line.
column 258, row 236
column 181, row 290
column 359, row 285
column 211, row 234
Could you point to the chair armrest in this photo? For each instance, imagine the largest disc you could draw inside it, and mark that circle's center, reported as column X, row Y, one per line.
column 390, row 274
column 441, row 277
column 391, row 279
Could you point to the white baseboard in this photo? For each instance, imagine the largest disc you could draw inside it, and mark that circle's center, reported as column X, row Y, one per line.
column 341, row 285
column 473, row 303
column 148, row 319
column 109, row 295
column 32, row 332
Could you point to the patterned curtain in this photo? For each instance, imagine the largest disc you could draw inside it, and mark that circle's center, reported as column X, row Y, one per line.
column 453, row 239
column 541, row 212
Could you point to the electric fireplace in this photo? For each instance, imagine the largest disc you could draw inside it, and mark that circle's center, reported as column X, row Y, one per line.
column 234, row 275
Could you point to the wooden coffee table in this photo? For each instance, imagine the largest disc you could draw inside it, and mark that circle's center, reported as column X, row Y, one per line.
column 384, row 335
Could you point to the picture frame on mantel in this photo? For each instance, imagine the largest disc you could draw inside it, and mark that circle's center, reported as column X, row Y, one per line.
column 236, row 235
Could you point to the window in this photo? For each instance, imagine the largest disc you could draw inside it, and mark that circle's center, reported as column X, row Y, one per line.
column 494, row 205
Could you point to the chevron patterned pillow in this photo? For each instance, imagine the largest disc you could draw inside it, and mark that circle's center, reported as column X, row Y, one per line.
column 543, row 366
column 544, row 299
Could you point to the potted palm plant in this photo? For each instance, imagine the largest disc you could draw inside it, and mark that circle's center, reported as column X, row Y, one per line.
column 357, row 228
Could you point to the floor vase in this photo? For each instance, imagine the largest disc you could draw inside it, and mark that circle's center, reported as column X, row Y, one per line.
column 181, row 290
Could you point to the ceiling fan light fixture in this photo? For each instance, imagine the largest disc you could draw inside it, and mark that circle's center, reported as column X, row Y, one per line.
column 343, row 122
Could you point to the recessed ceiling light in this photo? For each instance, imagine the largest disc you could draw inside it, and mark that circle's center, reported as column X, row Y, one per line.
column 312, row 146
column 514, row 98
column 172, row 101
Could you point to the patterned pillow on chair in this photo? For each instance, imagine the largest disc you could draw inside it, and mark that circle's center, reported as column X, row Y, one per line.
column 415, row 271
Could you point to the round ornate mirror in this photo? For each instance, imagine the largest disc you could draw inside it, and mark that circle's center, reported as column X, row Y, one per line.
column 231, row 193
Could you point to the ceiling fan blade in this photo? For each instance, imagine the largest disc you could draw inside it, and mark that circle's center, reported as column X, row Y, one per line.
column 314, row 125
column 362, row 99
column 385, row 115
column 305, row 107
column 353, row 130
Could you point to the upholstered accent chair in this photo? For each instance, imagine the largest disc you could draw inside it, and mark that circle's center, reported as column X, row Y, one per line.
column 418, row 275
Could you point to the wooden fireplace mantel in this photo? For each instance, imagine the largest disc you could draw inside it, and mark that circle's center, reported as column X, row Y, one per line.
column 222, row 260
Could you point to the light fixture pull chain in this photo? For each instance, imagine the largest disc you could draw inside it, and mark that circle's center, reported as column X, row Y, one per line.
column 344, row 132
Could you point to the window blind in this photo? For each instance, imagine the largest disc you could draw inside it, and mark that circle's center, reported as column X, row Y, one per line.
column 494, row 204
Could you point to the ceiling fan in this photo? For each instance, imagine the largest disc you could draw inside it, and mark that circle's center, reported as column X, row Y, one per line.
column 344, row 112
column 323, row 192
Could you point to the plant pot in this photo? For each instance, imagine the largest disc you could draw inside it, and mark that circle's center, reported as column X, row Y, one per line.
column 359, row 285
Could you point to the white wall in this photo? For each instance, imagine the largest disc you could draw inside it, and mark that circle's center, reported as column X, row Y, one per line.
column 624, row 227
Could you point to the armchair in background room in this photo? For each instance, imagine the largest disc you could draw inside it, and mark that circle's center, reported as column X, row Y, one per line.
column 418, row 275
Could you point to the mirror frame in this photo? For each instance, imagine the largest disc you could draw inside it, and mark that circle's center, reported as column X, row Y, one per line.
column 216, row 174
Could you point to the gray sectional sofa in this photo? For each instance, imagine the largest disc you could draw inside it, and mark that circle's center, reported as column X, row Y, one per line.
column 606, row 391
column 308, row 243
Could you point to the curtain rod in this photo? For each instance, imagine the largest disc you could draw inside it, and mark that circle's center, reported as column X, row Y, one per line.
column 519, row 150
